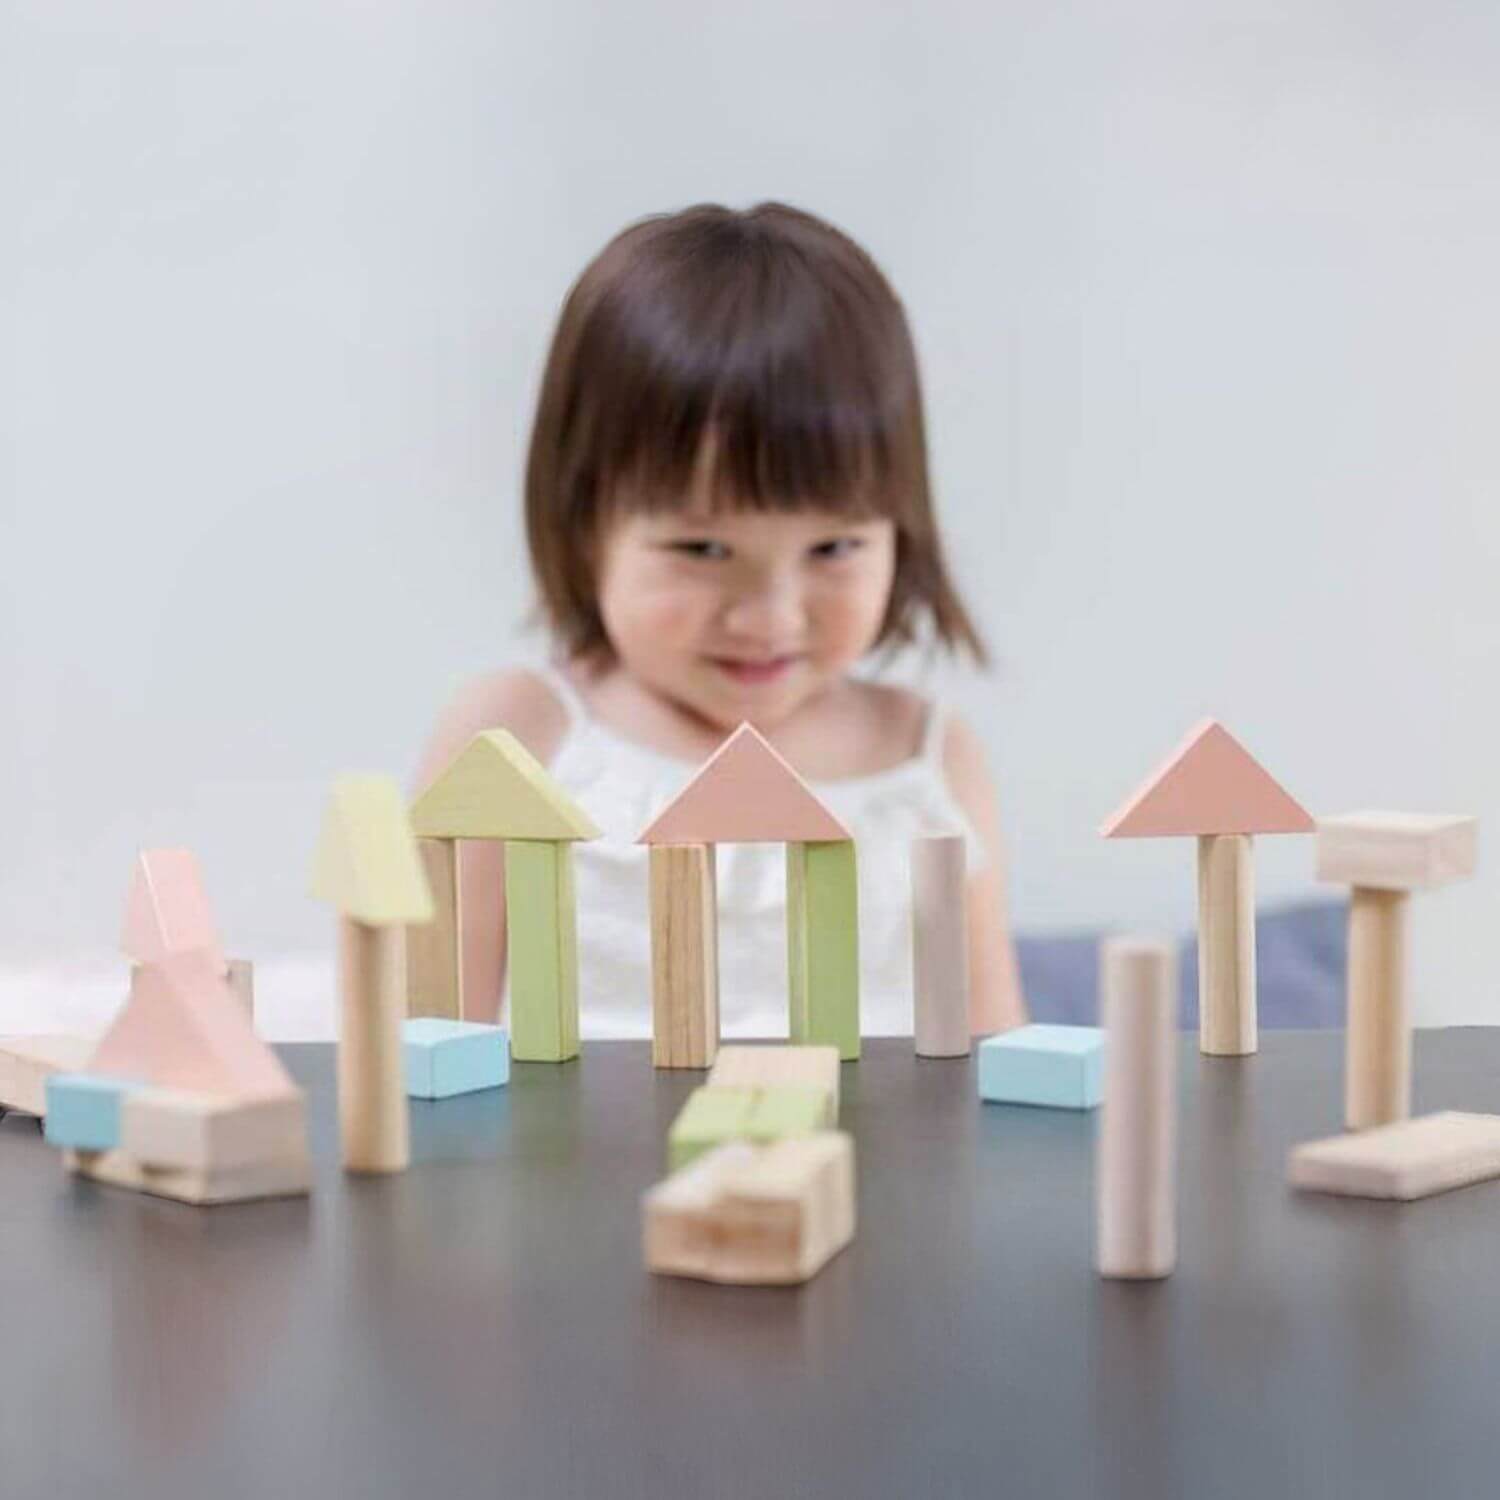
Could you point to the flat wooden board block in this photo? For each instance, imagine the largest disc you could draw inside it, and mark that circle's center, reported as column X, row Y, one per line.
column 1410, row 1159
column 86, row 1111
column 497, row 789
column 765, row 1065
column 26, row 1063
column 1397, row 851
column 1061, row 1067
column 745, row 793
column 182, row 1027
column 366, row 866
column 541, row 950
column 940, row 946
column 822, row 927
column 180, row 1129
column 1209, row 784
column 434, row 957
column 166, row 908
column 715, row 1114
column 278, row 1179
column 752, row 1216
column 446, row 1058
column 684, row 956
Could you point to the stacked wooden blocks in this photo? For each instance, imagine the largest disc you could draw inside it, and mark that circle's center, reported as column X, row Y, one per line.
column 1058, row 1066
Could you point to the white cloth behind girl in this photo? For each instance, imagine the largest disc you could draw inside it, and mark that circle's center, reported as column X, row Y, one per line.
column 623, row 786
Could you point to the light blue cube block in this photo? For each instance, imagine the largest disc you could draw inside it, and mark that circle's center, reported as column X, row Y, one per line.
column 1061, row 1066
column 83, row 1110
column 443, row 1058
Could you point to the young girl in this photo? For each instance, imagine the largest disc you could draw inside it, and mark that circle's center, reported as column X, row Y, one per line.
column 728, row 511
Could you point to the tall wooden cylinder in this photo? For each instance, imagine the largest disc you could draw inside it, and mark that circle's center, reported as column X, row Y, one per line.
column 372, row 1092
column 1135, row 1163
column 1226, row 945
column 940, row 946
column 684, row 956
column 1377, row 1066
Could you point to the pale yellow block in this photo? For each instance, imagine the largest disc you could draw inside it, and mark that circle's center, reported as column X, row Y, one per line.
column 202, row 1132
column 27, row 1062
column 434, row 960
column 273, row 1179
column 366, row 865
column 1397, row 851
column 767, row 1065
column 1410, row 1159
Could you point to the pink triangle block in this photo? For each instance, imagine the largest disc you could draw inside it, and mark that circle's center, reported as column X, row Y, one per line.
column 182, row 1027
column 745, row 793
column 167, row 908
column 1209, row 784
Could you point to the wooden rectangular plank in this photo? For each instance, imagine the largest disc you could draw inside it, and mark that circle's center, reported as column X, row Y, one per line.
column 27, row 1062
column 291, row 1177
column 823, row 945
column 765, row 1064
column 541, row 950
column 434, row 962
column 684, row 956
column 1406, row 1160
column 202, row 1132
column 1397, row 851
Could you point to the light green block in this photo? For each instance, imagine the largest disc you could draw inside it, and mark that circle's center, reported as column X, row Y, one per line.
column 788, row 1109
column 541, row 950
column 822, row 928
column 710, row 1117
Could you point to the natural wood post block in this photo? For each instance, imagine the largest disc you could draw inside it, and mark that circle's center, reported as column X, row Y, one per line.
column 823, row 944
column 542, row 950
column 1135, row 1168
column 1377, row 1076
column 1226, row 945
column 684, row 956
column 372, row 1094
column 434, row 967
column 940, row 947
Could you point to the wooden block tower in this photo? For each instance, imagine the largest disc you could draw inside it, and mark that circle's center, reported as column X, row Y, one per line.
column 367, row 868
column 496, row 789
column 746, row 793
column 1383, row 857
column 1211, row 788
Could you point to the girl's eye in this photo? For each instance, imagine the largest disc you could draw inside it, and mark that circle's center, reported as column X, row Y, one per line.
column 838, row 547
column 700, row 548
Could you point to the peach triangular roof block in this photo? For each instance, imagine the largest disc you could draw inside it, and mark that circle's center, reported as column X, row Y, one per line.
column 367, row 866
column 1209, row 784
column 166, row 910
column 181, row 1027
column 497, row 789
column 745, row 793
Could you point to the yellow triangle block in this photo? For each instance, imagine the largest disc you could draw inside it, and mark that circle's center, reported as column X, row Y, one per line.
column 497, row 789
column 367, row 865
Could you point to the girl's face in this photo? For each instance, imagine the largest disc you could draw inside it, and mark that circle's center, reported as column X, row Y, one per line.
column 742, row 614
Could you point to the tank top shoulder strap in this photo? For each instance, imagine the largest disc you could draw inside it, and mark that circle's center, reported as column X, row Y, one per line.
column 933, row 735
column 566, row 694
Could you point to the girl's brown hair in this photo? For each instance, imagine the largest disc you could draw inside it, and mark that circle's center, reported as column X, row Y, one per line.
column 766, row 338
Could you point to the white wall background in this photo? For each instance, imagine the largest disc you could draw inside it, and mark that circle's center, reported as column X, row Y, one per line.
column 1208, row 296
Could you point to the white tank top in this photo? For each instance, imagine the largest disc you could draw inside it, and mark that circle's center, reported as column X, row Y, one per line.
column 623, row 785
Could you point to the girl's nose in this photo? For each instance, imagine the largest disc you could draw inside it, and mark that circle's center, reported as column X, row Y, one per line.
column 771, row 614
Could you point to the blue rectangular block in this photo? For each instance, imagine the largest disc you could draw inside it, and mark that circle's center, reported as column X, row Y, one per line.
column 443, row 1058
column 83, row 1110
column 1061, row 1066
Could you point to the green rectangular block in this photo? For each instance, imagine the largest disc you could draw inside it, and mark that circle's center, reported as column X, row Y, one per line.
column 788, row 1109
column 822, row 930
column 541, row 950
column 710, row 1117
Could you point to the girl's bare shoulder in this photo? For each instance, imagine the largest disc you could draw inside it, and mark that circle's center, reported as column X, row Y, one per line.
column 516, row 699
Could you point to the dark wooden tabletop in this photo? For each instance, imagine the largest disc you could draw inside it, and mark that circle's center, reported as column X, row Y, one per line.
column 481, row 1326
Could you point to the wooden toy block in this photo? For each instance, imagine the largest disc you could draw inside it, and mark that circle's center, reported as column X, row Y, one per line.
column 1212, row 788
column 444, row 1058
column 1135, row 1177
column 27, row 1062
column 754, row 1216
column 684, row 956
column 166, row 908
column 745, row 793
column 709, row 1117
column 434, row 958
column 84, row 1110
column 1061, row 1067
column 788, row 1109
column 374, row 1127
column 174, row 1128
column 1406, row 1160
column 181, row 1027
column 542, row 950
column 765, row 1065
column 940, row 946
column 823, row 945
column 1396, row 851
column 270, row 1179
column 1209, row 784
column 496, row 789
column 366, row 866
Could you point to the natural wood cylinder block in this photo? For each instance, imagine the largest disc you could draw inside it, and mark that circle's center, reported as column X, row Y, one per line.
column 1226, row 945
column 372, row 1093
column 684, row 956
column 940, row 947
column 434, row 965
column 1377, row 1079
column 1135, row 1163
